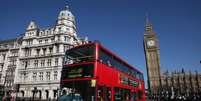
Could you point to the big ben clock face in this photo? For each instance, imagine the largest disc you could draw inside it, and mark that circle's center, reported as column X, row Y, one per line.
column 151, row 43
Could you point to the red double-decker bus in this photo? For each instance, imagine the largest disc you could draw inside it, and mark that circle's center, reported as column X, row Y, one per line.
column 94, row 73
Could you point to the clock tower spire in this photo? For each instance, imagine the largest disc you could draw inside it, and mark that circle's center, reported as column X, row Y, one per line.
column 151, row 49
column 148, row 27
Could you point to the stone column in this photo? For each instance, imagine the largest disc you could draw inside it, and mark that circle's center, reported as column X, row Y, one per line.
column 47, row 51
column 54, row 49
column 43, row 94
column 61, row 48
column 51, row 94
column 41, row 51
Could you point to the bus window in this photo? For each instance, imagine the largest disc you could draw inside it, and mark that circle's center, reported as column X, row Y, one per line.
column 100, row 94
column 126, row 94
column 104, row 93
column 118, row 94
column 80, row 54
column 134, row 96
column 108, row 94
column 139, row 94
column 80, row 93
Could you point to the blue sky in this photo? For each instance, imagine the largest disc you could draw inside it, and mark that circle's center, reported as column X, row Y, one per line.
column 119, row 25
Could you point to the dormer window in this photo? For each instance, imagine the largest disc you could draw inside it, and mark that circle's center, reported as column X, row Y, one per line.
column 41, row 33
column 62, row 14
column 47, row 32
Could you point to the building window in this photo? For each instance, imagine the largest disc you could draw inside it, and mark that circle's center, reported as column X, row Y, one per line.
column 47, row 32
column 62, row 14
column 42, row 33
column 41, row 76
column 42, row 63
column 25, row 64
column 44, row 51
column 49, row 62
column 1, row 68
column 14, row 53
column 36, row 63
column 47, row 75
column 56, row 61
column 59, row 29
column 25, row 76
column 27, row 52
column 46, row 40
column 51, row 50
column 29, row 42
column 57, row 49
column 12, row 61
column 66, row 47
column 66, row 39
column 37, row 52
column 55, row 75
column 4, row 57
column 40, row 41
column 52, row 39
column 59, row 38
column 34, row 76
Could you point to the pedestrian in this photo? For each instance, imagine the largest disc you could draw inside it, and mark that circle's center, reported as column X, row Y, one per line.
column 65, row 97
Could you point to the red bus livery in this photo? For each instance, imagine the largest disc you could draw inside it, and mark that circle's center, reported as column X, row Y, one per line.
column 96, row 74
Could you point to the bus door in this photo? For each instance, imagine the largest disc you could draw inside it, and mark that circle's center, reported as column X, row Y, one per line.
column 104, row 93
column 133, row 95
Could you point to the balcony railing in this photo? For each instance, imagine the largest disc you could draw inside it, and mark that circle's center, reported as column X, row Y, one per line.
column 37, row 81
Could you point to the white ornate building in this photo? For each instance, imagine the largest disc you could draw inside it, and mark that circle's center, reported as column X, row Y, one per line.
column 39, row 56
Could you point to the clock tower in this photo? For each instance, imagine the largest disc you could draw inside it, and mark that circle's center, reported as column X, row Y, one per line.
column 151, row 49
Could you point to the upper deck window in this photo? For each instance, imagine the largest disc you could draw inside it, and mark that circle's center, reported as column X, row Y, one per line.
column 112, row 61
column 80, row 54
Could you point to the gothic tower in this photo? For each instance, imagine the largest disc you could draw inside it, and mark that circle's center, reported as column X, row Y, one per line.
column 151, row 49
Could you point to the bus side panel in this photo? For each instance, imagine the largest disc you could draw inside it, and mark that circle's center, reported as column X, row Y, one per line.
column 106, row 75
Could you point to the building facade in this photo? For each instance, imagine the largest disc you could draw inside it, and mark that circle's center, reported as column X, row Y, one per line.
column 33, row 64
column 9, row 57
column 181, row 83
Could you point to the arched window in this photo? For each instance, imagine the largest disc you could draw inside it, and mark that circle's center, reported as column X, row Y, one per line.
column 47, row 94
column 22, row 92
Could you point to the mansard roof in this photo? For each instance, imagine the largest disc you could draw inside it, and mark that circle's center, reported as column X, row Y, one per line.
column 8, row 41
column 11, row 41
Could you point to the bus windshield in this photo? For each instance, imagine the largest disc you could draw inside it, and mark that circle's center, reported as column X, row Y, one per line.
column 80, row 54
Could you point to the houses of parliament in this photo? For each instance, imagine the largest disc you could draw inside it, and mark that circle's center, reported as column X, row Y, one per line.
column 177, row 83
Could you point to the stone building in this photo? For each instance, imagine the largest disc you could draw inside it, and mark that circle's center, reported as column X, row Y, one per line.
column 181, row 83
column 33, row 62
column 158, row 82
